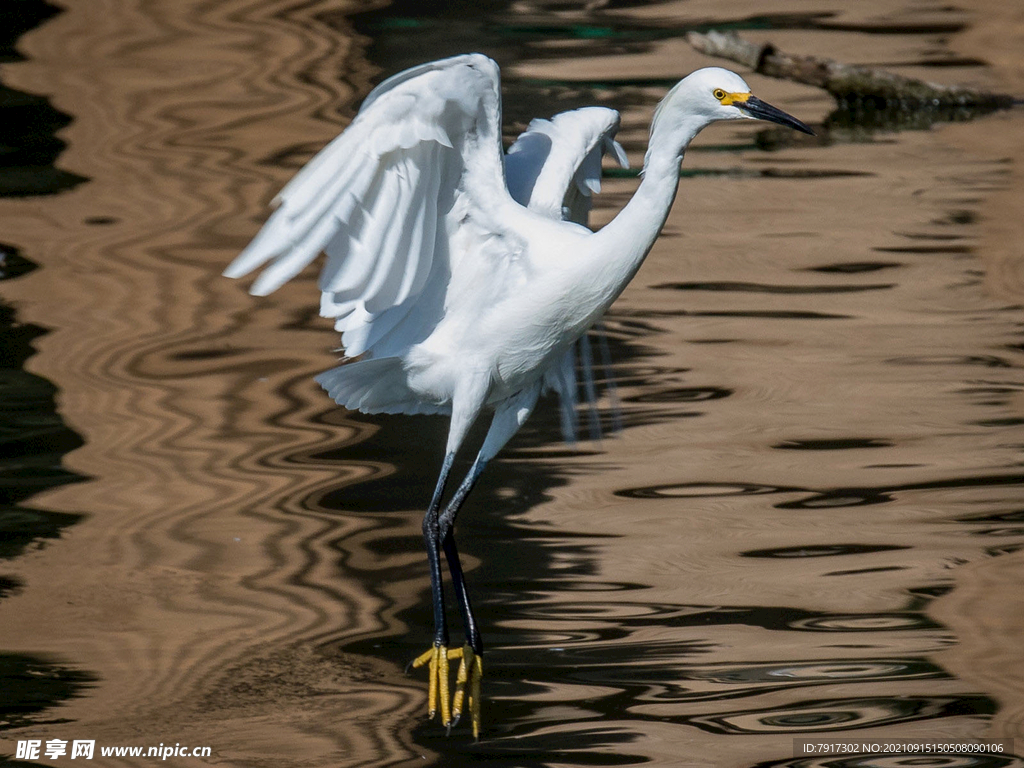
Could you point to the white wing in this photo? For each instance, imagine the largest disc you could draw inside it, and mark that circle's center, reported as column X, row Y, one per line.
column 425, row 146
column 555, row 165
column 554, row 168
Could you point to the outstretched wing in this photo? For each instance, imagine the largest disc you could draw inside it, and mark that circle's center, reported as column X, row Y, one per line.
column 554, row 168
column 555, row 165
column 425, row 142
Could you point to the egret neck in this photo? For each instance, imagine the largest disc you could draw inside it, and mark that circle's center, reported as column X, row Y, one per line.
column 621, row 246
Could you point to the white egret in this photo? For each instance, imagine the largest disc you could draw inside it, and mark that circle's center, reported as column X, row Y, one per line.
column 456, row 297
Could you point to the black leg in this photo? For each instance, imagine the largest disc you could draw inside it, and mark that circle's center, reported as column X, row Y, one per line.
column 459, row 584
column 437, row 656
column 467, row 680
column 467, row 688
column 438, row 533
column 432, row 540
column 451, row 553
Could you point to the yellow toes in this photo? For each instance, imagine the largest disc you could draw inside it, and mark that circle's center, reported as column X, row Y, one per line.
column 471, row 669
column 474, row 694
column 437, row 682
column 467, row 684
column 442, row 680
column 465, row 653
column 431, row 658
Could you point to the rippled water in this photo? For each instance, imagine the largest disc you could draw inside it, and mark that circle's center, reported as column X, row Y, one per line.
column 810, row 523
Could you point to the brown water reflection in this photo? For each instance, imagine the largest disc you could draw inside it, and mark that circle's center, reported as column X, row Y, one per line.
column 810, row 523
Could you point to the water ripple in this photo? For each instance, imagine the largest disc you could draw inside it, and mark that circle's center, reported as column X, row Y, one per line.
column 247, row 570
column 843, row 714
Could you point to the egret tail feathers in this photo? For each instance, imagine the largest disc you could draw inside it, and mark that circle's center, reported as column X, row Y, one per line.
column 375, row 386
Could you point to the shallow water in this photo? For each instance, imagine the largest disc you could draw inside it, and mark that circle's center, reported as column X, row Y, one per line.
column 810, row 523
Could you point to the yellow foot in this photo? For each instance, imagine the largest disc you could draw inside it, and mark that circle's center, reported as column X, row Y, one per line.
column 467, row 684
column 437, row 686
column 471, row 670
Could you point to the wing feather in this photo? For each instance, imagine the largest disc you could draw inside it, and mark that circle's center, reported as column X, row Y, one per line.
column 407, row 205
column 558, row 160
column 375, row 199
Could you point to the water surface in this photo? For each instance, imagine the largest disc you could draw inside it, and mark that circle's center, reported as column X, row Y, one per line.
column 809, row 524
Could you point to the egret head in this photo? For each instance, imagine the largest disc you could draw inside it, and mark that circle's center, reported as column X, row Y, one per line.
column 713, row 94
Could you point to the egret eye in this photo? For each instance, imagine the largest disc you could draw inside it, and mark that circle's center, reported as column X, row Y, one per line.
column 719, row 94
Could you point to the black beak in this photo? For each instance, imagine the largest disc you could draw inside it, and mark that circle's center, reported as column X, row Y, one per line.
column 762, row 110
